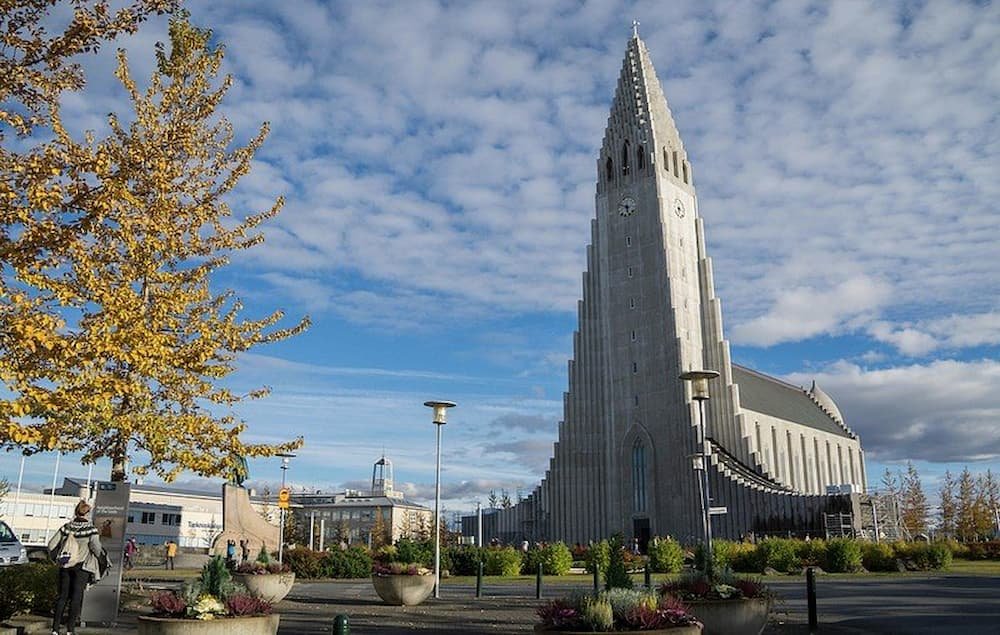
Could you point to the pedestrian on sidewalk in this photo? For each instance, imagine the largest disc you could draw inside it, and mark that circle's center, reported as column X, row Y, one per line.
column 171, row 554
column 76, row 549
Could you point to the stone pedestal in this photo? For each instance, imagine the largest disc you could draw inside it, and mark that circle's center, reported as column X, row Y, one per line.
column 241, row 522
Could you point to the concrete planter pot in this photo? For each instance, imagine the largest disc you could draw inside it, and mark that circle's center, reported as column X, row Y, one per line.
column 255, row 625
column 676, row 630
column 272, row 587
column 403, row 590
column 731, row 617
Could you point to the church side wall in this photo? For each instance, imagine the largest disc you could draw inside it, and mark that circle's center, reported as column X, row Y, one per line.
column 781, row 453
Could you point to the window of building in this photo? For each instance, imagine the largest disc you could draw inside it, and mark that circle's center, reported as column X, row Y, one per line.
column 148, row 518
column 633, row 335
column 172, row 520
column 625, row 159
column 639, row 477
column 609, row 169
column 630, row 272
column 131, row 518
column 628, row 241
column 635, row 367
column 631, row 303
column 636, row 399
column 640, row 158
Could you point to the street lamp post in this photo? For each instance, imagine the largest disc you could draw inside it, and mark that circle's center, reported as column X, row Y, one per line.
column 440, row 409
column 285, row 459
column 699, row 392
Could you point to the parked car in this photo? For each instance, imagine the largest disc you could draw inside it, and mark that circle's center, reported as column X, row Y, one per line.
column 11, row 549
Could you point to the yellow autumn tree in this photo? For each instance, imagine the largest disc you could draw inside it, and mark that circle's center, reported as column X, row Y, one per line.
column 113, row 343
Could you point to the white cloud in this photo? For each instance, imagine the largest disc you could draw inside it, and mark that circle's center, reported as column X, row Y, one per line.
column 942, row 411
column 802, row 313
column 951, row 332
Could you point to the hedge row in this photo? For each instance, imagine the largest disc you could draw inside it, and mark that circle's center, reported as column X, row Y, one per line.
column 839, row 555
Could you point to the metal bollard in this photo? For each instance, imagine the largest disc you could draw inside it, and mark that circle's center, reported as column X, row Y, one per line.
column 538, row 583
column 341, row 626
column 811, row 599
column 648, row 579
column 597, row 577
column 479, row 580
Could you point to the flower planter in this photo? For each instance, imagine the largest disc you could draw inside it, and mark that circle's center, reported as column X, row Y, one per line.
column 254, row 625
column 272, row 587
column 731, row 617
column 403, row 590
column 691, row 629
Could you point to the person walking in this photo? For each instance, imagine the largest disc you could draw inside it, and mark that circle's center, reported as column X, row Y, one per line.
column 171, row 554
column 130, row 550
column 245, row 550
column 76, row 549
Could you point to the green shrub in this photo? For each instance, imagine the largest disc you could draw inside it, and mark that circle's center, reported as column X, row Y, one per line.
column 742, row 557
column 939, row 556
column 843, row 555
column 502, row 561
column 811, row 553
column 665, row 555
column 778, row 554
column 353, row 562
column 878, row 556
column 464, row 559
column 599, row 554
column 305, row 563
column 419, row 551
column 617, row 576
column 957, row 549
column 27, row 588
column 984, row 550
column 555, row 558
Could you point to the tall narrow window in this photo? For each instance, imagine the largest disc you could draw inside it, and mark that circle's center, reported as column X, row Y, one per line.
column 609, row 168
column 625, row 158
column 640, row 159
column 639, row 477
column 630, row 272
column 675, row 164
column 628, row 241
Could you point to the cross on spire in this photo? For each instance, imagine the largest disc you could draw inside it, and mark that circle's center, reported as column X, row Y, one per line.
column 635, row 28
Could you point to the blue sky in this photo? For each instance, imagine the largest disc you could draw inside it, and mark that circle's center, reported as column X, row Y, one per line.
column 439, row 159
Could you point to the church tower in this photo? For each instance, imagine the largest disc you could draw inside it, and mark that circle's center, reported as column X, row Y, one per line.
column 623, row 460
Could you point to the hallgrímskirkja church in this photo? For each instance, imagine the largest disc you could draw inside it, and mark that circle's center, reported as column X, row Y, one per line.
column 623, row 460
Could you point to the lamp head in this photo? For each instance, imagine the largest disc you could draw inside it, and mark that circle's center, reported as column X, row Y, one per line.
column 699, row 382
column 440, row 409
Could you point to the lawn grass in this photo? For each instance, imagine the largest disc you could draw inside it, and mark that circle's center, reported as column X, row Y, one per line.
column 974, row 567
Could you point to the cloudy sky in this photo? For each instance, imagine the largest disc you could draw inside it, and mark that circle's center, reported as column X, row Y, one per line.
column 439, row 159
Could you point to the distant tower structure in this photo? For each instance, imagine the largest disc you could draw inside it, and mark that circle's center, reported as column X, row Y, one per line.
column 382, row 477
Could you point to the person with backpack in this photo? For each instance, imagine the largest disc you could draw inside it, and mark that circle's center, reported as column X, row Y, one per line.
column 76, row 549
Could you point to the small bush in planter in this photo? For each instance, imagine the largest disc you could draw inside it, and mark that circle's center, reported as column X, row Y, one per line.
column 618, row 609
column 720, row 586
column 400, row 568
column 208, row 596
column 408, row 550
column 665, row 555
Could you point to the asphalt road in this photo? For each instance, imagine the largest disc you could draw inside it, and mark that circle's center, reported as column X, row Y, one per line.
column 892, row 605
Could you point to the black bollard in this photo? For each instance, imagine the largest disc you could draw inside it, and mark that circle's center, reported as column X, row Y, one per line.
column 341, row 626
column 648, row 578
column 811, row 598
column 479, row 580
column 597, row 577
column 538, row 583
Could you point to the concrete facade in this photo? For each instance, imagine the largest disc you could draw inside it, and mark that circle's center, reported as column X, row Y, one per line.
column 648, row 313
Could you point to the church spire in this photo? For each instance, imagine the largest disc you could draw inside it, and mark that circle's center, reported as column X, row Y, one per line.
column 641, row 117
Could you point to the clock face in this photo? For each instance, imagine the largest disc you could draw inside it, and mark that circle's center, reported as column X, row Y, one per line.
column 679, row 208
column 627, row 206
